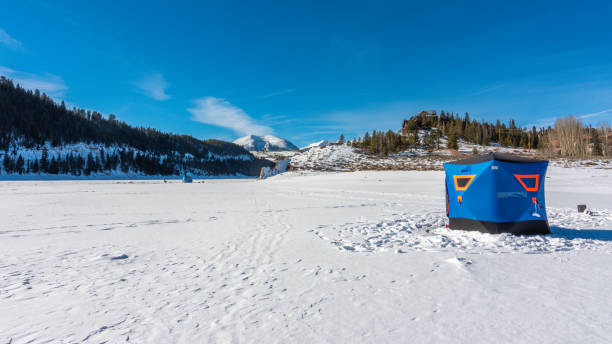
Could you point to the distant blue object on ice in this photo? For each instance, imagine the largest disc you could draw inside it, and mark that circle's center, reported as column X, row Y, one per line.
column 186, row 179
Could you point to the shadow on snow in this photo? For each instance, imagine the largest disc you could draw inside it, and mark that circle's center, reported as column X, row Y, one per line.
column 570, row 234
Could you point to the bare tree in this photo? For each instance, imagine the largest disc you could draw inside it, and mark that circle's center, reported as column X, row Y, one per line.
column 568, row 138
column 604, row 134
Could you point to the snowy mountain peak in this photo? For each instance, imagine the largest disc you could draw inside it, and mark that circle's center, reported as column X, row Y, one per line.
column 264, row 143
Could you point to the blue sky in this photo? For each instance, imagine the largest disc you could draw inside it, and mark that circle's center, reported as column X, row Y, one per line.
column 313, row 70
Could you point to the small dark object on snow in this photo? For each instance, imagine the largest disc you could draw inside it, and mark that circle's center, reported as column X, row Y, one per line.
column 123, row 256
column 581, row 208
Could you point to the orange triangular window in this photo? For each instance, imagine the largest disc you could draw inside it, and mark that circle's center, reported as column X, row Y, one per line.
column 530, row 182
column 462, row 182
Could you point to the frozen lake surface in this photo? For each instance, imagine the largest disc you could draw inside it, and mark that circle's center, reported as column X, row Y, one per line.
column 300, row 257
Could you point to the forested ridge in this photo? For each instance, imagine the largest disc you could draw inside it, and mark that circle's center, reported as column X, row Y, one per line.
column 426, row 130
column 33, row 121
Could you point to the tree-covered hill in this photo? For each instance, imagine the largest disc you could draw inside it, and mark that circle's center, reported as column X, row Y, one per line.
column 425, row 130
column 38, row 135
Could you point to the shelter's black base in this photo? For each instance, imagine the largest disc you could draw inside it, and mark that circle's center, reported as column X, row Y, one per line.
column 517, row 228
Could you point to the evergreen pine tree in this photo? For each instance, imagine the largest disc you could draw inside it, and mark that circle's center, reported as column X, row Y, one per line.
column 90, row 165
column 372, row 147
column 426, row 141
column 44, row 160
column 6, row 163
column 9, row 164
column 35, row 167
column 415, row 138
column 485, row 140
column 20, row 165
column 452, row 139
column 366, row 141
column 597, row 151
column 53, row 166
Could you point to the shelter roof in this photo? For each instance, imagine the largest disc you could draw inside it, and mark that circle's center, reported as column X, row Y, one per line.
column 494, row 156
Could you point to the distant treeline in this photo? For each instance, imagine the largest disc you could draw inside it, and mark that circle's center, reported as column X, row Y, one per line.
column 426, row 129
column 30, row 119
column 124, row 160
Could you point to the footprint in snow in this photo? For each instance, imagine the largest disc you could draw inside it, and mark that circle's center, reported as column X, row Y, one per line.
column 460, row 262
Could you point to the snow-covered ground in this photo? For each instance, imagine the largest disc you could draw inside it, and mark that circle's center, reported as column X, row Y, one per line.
column 337, row 157
column 467, row 148
column 301, row 257
column 323, row 156
column 321, row 143
column 274, row 155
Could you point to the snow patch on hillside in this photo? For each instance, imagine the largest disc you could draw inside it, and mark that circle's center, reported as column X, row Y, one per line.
column 319, row 144
column 467, row 148
column 95, row 149
column 342, row 157
column 83, row 149
column 328, row 157
column 582, row 163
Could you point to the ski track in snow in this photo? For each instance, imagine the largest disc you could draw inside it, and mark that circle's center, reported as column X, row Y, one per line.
column 425, row 231
column 222, row 283
column 177, row 293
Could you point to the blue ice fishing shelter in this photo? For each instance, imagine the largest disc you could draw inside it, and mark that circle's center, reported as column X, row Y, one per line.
column 497, row 193
column 186, row 178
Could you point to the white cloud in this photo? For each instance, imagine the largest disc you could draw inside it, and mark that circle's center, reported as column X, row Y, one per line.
column 550, row 121
column 6, row 71
column 595, row 114
column 154, row 86
column 9, row 41
column 220, row 112
column 50, row 84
